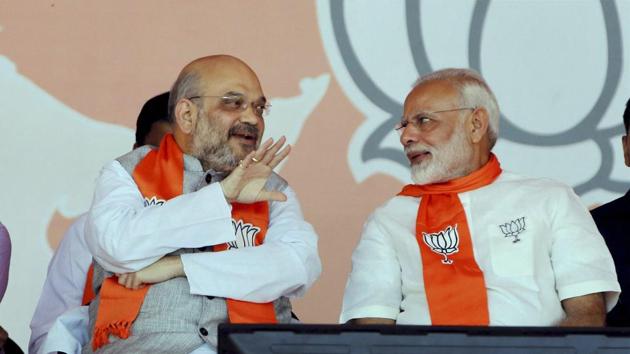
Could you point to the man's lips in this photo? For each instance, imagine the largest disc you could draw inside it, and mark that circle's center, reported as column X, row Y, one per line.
column 416, row 157
column 246, row 138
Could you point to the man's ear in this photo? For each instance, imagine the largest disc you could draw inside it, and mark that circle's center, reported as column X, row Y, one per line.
column 479, row 124
column 186, row 115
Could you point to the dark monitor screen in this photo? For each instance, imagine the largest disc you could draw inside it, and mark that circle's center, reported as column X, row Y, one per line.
column 353, row 339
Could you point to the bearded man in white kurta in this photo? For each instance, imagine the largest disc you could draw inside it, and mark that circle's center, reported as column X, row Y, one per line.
column 199, row 231
column 469, row 243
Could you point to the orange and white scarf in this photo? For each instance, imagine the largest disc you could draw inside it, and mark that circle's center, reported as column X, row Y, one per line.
column 160, row 175
column 454, row 284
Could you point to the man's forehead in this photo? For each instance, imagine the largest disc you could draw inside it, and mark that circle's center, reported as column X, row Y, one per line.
column 431, row 96
column 219, row 74
column 235, row 83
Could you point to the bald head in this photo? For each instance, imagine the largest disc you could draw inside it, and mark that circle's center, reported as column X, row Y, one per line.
column 208, row 73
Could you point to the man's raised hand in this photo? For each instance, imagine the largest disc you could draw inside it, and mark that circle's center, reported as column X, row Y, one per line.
column 246, row 183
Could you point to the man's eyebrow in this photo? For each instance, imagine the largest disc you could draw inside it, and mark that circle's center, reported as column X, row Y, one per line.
column 236, row 93
column 416, row 114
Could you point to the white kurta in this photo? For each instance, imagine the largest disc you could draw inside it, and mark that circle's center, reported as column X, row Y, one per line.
column 559, row 255
column 125, row 236
column 65, row 282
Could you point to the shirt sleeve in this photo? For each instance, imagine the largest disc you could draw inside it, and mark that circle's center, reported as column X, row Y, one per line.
column 125, row 236
column 286, row 264
column 68, row 334
column 64, row 284
column 374, row 284
column 581, row 261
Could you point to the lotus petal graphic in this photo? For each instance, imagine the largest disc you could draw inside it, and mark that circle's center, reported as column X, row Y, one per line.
column 153, row 201
column 574, row 113
column 445, row 242
column 245, row 235
column 513, row 228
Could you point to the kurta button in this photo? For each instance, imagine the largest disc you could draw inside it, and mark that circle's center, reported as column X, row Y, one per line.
column 208, row 178
column 210, row 297
column 203, row 331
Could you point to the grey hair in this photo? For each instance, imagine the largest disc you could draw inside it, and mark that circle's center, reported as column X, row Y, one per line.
column 473, row 92
column 186, row 85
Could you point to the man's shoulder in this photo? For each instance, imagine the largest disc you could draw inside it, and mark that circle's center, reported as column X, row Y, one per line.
column 396, row 209
column 510, row 181
column 129, row 160
column 512, row 177
column 75, row 234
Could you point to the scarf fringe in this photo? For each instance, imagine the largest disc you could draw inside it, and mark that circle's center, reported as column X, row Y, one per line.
column 101, row 334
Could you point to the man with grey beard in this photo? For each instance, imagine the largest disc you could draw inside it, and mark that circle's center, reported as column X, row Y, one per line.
column 469, row 243
column 199, row 231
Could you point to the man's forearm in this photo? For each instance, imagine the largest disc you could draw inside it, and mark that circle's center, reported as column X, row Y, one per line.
column 584, row 311
column 124, row 236
column 166, row 268
column 584, row 321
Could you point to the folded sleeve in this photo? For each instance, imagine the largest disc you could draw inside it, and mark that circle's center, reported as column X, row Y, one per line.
column 125, row 236
column 286, row 264
column 581, row 261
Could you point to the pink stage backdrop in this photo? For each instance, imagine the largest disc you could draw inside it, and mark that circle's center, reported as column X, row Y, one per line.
column 73, row 76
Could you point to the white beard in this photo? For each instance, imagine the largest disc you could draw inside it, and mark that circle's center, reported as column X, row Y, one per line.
column 449, row 161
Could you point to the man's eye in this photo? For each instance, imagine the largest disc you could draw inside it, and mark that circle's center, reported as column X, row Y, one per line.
column 232, row 102
column 423, row 119
column 260, row 109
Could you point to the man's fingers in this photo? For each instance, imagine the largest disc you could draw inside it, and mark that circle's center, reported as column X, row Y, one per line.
column 136, row 284
column 271, row 152
column 129, row 282
column 262, row 149
column 122, row 278
column 280, row 156
column 272, row 196
column 247, row 160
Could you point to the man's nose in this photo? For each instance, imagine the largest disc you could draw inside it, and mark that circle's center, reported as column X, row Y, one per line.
column 249, row 116
column 409, row 135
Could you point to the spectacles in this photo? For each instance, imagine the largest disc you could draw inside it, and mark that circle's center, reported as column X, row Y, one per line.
column 236, row 103
column 421, row 119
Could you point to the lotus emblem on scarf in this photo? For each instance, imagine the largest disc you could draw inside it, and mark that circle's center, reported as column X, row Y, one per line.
column 245, row 235
column 444, row 242
column 513, row 228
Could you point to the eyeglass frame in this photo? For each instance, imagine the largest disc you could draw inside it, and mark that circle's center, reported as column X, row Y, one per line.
column 243, row 107
column 400, row 127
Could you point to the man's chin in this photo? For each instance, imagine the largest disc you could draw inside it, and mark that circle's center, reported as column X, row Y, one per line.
column 424, row 175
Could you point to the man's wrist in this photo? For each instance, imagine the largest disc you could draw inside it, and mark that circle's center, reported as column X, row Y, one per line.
column 228, row 198
column 177, row 266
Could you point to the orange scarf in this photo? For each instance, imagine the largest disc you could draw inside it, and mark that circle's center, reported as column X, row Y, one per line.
column 453, row 283
column 159, row 177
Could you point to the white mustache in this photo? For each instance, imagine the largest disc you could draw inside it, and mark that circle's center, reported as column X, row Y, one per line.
column 409, row 149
